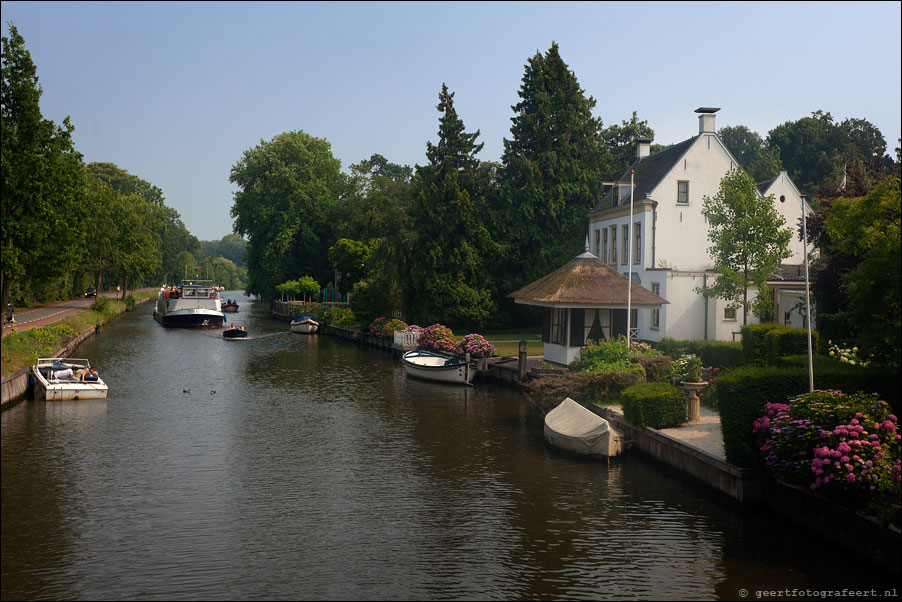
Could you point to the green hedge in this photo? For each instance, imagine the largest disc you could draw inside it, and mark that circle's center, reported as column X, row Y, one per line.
column 742, row 394
column 658, row 405
column 657, row 367
column 716, row 354
column 785, row 341
column 754, row 347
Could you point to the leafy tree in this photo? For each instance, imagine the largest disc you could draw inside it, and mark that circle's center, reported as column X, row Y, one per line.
column 748, row 240
column 449, row 282
column 857, row 283
column 620, row 141
column 380, row 167
column 350, row 258
column 553, row 169
column 231, row 247
column 287, row 191
column 743, row 143
column 42, row 177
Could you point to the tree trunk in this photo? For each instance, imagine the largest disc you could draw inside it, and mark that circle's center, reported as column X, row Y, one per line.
column 5, row 294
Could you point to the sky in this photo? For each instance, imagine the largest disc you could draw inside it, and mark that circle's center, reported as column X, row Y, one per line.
column 175, row 93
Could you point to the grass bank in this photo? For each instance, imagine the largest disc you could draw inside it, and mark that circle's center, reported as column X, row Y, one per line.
column 23, row 348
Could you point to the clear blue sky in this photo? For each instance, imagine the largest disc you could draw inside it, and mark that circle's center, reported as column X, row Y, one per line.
column 176, row 92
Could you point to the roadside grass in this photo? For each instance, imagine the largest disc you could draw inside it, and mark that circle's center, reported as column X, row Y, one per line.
column 24, row 348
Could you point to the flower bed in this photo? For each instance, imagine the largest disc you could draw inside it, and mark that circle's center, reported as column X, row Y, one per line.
column 476, row 346
column 437, row 338
column 846, row 447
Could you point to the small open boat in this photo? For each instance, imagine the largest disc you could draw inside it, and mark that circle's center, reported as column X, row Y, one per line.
column 304, row 324
column 437, row 367
column 235, row 332
column 578, row 430
column 231, row 306
column 56, row 379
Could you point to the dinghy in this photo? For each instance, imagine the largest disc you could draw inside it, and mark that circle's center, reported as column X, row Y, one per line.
column 576, row 429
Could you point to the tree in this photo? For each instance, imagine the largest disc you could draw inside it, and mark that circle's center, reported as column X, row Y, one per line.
column 42, row 177
column 748, row 240
column 620, row 141
column 449, row 282
column 742, row 142
column 857, row 276
column 350, row 258
column 553, row 167
column 287, row 190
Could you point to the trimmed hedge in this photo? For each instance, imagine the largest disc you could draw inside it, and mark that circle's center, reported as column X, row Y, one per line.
column 658, row 405
column 754, row 347
column 742, row 394
column 657, row 367
column 717, row 354
column 785, row 341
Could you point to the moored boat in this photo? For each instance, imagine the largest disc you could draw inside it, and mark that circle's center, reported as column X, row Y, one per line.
column 58, row 379
column 304, row 324
column 428, row 365
column 191, row 304
column 576, row 429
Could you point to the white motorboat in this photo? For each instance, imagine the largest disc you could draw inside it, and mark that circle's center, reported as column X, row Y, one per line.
column 578, row 430
column 191, row 304
column 304, row 324
column 57, row 379
column 437, row 367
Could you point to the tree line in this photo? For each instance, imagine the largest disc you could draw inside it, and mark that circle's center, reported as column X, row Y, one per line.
column 68, row 225
column 447, row 241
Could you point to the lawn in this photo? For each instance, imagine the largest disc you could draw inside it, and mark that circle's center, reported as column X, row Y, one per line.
column 506, row 342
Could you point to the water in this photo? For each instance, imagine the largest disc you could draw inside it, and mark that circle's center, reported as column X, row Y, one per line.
column 317, row 470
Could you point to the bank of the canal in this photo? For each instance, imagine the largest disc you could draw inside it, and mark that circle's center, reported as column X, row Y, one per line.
column 14, row 386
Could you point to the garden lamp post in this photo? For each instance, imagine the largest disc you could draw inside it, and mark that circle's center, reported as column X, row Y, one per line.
column 807, row 297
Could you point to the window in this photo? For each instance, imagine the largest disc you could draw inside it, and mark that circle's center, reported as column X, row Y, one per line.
column 558, row 323
column 682, row 192
column 626, row 245
column 656, row 313
column 637, row 250
column 597, row 246
column 614, row 244
column 605, row 247
column 729, row 313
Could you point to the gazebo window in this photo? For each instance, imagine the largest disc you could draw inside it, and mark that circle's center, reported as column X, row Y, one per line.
column 558, row 324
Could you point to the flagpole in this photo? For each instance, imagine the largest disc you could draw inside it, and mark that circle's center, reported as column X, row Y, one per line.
column 629, row 261
column 807, row 299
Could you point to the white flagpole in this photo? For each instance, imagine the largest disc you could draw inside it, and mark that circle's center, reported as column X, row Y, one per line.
column 629, row 261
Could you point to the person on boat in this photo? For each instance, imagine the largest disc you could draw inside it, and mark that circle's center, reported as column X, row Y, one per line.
column 86, row 374
column 232, row 327
column 59, row 374
column 241, row 327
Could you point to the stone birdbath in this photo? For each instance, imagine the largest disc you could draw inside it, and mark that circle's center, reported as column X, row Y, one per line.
column 694, row 405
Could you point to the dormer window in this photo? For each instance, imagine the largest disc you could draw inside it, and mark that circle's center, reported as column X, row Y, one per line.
column 683, row 192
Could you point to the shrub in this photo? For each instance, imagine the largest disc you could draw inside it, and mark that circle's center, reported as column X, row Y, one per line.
column 716, row 354
column 658, row 405
column 743, row 393
column 385, row 327
column 100, row 304
column 547, row 392
column 606, row 357
column 845, row 446
column 784, row 341
column 335, row 315
column 476, row 346
column 130, row 303
column 754, row 348
column 657, row 367
column 438, row 338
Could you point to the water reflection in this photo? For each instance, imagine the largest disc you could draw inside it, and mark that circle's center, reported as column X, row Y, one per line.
column 317, row 470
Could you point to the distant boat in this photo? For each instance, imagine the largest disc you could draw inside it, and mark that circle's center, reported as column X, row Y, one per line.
column 304, row 324
column 576, row 429
column 235, row 332
column 55, row 380
column 437, row 367
column 230, row 307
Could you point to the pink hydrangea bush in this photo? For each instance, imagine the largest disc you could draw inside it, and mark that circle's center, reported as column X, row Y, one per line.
column 476, row 346
column 844, row 446
column 438, row 338
column 385, row 327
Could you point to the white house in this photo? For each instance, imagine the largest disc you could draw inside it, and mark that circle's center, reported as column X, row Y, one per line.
column 669, row 238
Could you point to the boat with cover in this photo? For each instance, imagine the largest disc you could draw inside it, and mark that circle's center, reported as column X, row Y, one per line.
column 55, row 379
column 429, row 365
column 190, row 304
column 234, row 332
column 304, row 324
column 576, row 429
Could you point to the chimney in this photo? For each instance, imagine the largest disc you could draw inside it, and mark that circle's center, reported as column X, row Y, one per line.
column 644, row 147
column 706, row 119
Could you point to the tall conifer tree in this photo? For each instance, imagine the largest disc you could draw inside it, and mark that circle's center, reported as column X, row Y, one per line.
column 553, row 167
column 448, row 281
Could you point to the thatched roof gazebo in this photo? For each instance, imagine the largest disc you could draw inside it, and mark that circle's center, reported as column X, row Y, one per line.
column 583, row 300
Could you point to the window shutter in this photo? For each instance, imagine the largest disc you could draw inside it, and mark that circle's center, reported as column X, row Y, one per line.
column 577, row 327
column 546, row 325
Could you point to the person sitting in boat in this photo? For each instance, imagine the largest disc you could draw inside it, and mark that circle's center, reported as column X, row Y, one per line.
column 232, row 327
column 241, row 327
column 86, row 375
column 60, row 374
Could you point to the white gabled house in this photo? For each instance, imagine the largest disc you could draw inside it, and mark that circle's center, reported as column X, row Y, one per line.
column 670, row 243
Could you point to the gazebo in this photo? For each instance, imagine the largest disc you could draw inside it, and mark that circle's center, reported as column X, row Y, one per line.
column 583, row 300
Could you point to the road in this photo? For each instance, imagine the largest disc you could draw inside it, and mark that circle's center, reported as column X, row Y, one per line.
column 47, row 314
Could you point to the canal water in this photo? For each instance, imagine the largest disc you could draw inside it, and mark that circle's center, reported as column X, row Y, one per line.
column 302, row 467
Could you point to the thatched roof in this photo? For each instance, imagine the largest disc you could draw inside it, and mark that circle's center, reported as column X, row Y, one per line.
column 585, row 281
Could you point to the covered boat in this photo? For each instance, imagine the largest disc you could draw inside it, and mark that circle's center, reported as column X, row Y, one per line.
column 191, row 304
column 437, row 367
column 578, row 430
column 304, row 324
column 57, row 379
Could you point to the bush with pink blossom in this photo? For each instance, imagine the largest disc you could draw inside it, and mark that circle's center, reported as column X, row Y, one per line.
column 438, row 338
column 475, row 345
column 844, row 446
column 385, row 327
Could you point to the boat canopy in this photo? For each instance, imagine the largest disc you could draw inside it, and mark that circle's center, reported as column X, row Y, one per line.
column 577, row 429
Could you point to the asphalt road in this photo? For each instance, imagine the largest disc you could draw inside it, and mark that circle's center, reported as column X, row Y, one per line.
column 47, row 314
